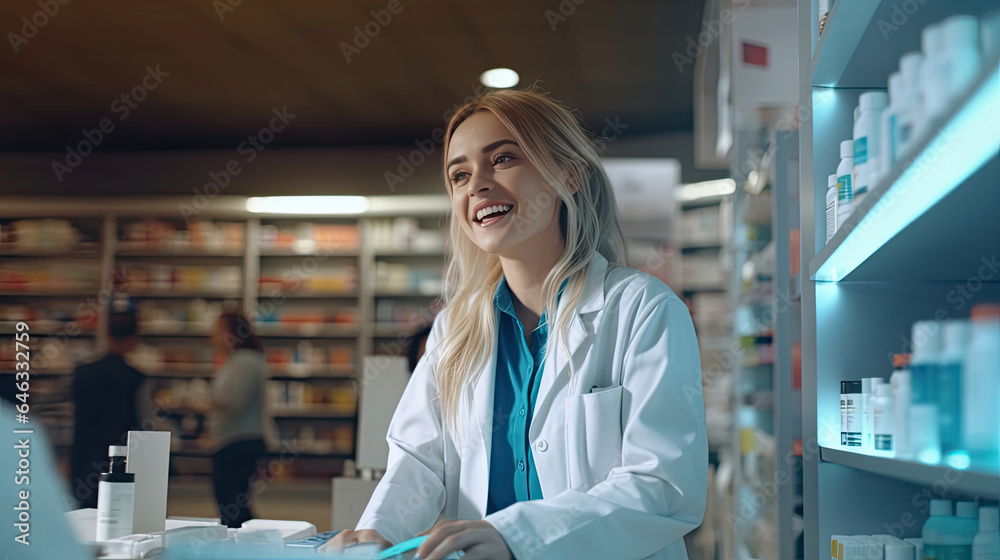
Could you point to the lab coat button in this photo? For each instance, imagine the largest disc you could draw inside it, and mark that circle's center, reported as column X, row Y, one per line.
column 522, row 411
column 520, row 466
column 543, row 445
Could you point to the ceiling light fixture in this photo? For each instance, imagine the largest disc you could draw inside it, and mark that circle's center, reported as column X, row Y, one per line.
column 499, row 78
column 325, row 205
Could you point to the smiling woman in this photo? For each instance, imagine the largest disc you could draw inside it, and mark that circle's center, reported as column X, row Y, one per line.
column 509, row 443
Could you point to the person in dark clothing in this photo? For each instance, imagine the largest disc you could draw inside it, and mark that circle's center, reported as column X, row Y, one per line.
column 416, row 345
column 104, row 396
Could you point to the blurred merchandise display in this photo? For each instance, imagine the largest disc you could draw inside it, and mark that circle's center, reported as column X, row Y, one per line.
column 408, row 278
column 152, row 279
column 309, row 237
column 277, row 281
column 405, row 234
column 197, row 235
column 40, row 276
column 196, row 316
column 45, row 235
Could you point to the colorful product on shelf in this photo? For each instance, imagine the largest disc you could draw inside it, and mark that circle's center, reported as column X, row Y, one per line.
column 310, row 238
column 45, row 235
column 157, row 279
column 49, row 277
column 198, row 235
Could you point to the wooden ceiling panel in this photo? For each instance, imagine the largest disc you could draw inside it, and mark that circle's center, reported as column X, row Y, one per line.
column 606, row 58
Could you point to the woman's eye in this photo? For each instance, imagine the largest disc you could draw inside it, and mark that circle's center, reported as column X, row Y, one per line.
column 458, row 176
column 502, row 158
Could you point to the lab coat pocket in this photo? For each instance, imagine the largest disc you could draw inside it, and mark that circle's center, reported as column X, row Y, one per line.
column 593, row 436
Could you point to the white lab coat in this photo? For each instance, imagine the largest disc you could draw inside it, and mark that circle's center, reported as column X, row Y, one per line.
column 623, row 466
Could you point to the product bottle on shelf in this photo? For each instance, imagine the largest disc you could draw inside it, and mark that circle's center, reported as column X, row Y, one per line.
column 850, row 417
column 986, row 543
column 865, row 413
column 961, row 40
column 923, row 421
column 887, row 120
column 948, row 392
column 943, row 534
column 901, row 397
column 831, row 206
column 968, row 515
column 845, row 182
column 874, row 383
column 866, row 141
column 911, row 103
column 981, row 389
column 882, row 414
column 933, row 74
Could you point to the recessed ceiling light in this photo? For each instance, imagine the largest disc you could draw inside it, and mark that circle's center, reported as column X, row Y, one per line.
column 499, row 78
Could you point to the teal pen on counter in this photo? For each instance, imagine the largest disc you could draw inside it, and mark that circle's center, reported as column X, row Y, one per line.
column 402, row 547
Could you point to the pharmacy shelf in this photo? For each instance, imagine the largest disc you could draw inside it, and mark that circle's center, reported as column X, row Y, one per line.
column 295, row 414
column 86, row 251
column 701, row 246
column 308, row 294
column 153, row 253
column 959, row 481
column 271, row 330
column 44, row 328
column 393, row 330
column 405, row 294
column 958, row 151
column 403, row 253
column 182, row 294
column 289, row 252
column 863, row 39
column 183, row 330
column 326, row 374
column 81, row 292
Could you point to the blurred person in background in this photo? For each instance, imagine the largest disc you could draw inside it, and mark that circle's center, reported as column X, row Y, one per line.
column 236, row 419
column 416, row 345
column 106, row 396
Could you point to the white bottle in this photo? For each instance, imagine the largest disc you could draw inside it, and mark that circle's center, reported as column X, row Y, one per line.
column 963, row 60
column 911, row 103
column 115, row 497
column 882, row 414
column 900, row 382
column 933, row 74
column 845, row 182
column 986, row 544
column 888, row 118
column 864, row 408
column 981, row 389
column 831, row 206
column 870, row 406
column 866, row 141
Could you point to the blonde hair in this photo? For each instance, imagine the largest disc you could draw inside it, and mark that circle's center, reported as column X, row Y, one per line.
column 555, row 142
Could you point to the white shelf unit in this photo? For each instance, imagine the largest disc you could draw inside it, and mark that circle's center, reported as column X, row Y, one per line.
column 767, row 419
column 110, row 217
column 921, row 231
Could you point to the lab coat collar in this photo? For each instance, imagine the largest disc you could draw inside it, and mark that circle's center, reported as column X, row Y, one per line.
column 554, row 371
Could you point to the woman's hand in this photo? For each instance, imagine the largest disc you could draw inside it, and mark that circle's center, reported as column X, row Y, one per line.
column 478, row 539
column 348, row 536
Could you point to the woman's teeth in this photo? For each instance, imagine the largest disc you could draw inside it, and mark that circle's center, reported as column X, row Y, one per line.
column 489, row 210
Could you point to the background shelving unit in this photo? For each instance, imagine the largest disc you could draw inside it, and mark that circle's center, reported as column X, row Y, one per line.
column 923, row 229
column 311, row 283
column 766, row 439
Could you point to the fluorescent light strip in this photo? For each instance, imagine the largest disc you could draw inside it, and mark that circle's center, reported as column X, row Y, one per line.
column 706, row 189
column 960, row 149
column 315, row 205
